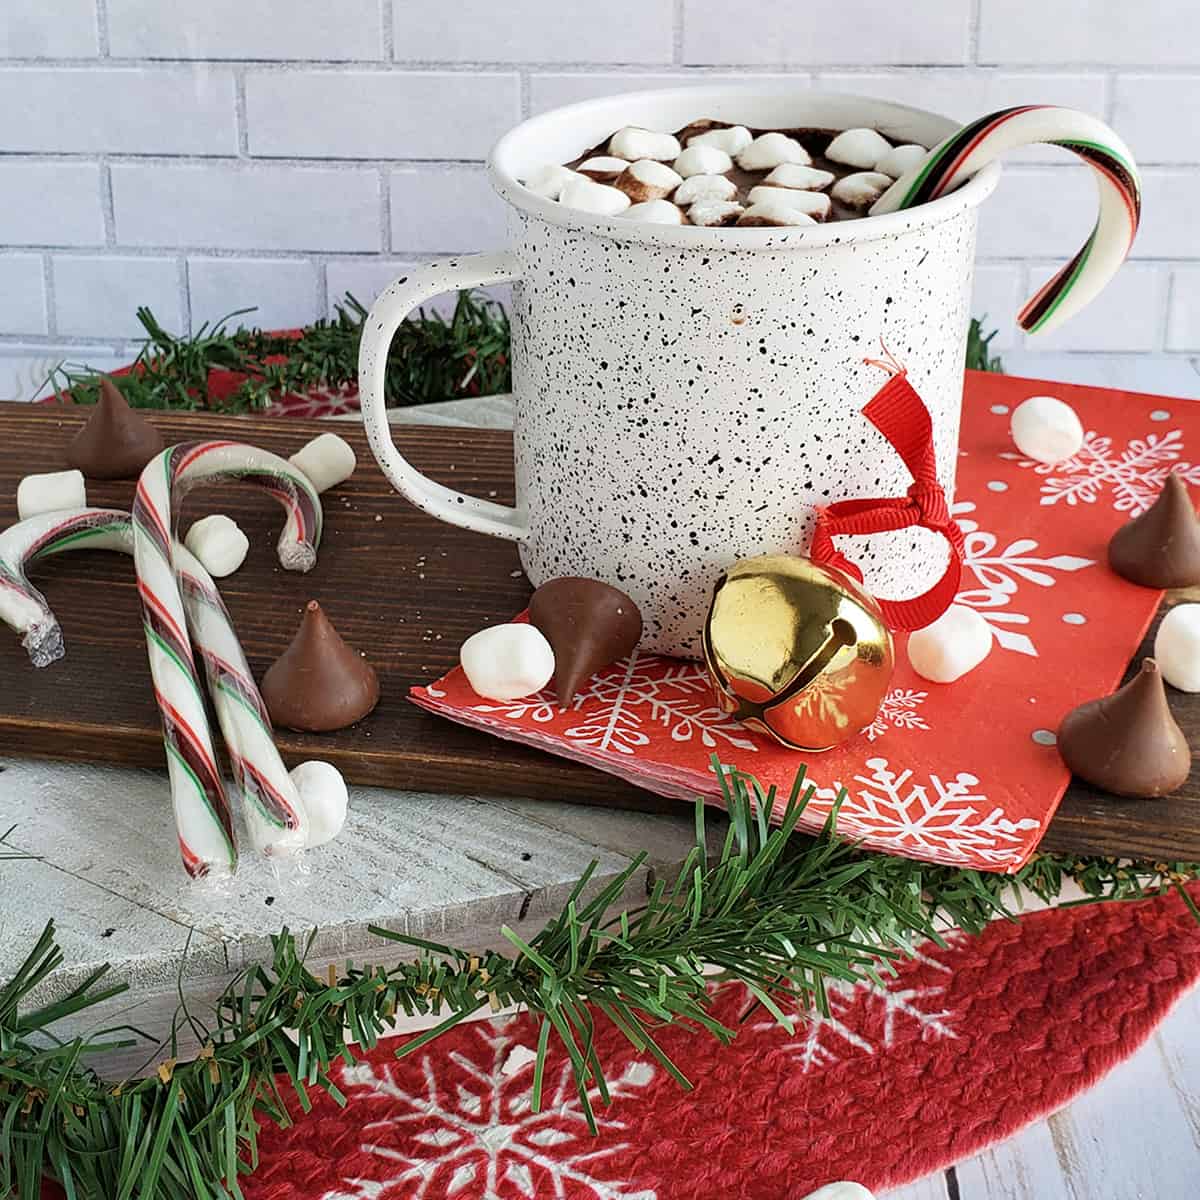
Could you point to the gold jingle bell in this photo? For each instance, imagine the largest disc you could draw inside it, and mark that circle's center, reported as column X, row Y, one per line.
column 798, row 650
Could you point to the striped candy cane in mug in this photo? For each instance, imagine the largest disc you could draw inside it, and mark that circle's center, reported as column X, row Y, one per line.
column 968, row 151
column 201, row 810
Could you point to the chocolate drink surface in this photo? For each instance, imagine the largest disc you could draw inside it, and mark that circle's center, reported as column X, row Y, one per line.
column 742, row 180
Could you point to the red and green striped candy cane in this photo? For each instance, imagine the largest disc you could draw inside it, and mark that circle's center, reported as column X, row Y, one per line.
column 953, row 161
column 201, row 810
column 22, row 606
column 271, row 804
column 272, row 808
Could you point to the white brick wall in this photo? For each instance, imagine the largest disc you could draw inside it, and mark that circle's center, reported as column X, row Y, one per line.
column 277, row 153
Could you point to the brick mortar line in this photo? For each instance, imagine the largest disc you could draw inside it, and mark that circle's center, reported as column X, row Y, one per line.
column 241, row 123
column 409, row 255
column 387, row 29
column 158, row 158
column 49, row 299
column 580, row 66
column 16, row 341
column 102, row 38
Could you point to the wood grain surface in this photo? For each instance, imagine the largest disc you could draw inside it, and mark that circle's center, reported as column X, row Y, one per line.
column 400, row 585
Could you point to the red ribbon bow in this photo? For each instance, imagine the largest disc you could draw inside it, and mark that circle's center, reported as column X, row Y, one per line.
column 901, row 416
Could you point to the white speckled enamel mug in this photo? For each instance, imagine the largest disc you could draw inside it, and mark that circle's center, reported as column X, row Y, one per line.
column 686, row 396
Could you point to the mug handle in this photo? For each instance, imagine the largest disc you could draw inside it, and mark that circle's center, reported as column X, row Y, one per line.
column 387, row 314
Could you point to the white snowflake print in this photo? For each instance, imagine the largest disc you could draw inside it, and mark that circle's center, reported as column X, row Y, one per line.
column 998, row 572
column 942, row 820
column 898, row 711
column 865, row 1016
column 478, row 1139
column 620, row 706
column 1133, row 474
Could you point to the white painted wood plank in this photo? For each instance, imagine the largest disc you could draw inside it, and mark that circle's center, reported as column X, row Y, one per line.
column 932, row 1187
column 432, row 865
column 92, row 926
column 1134, row 1135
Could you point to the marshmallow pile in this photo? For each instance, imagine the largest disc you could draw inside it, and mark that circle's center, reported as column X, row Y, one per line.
column 685, row 178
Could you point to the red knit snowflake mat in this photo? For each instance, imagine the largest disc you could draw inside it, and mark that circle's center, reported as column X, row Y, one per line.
column 962, row 1047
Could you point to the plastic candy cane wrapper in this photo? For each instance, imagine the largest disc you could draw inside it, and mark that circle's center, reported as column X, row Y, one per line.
column 962, row 154
column 201, row 812
column 22, row 607
column 272, row 809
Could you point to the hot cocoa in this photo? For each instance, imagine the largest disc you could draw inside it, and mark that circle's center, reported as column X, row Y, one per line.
column 712, row 173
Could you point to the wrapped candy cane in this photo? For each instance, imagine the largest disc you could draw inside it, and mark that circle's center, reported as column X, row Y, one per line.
column 201, row 810
column 272, row 807
column 22, row 606
column 962, row 154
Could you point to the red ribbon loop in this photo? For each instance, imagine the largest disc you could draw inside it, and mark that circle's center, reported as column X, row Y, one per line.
column 901, row 416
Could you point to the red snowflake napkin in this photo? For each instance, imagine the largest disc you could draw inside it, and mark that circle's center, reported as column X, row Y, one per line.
column 965, row 773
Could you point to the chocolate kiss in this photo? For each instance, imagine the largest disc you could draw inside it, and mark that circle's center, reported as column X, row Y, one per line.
column 116, row 442
column 588, row 625
column 1127, row 743
column 1161, row 548
column 318, row 683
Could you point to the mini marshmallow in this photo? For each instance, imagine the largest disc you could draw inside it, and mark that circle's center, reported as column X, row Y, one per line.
column 844, row 1189
column 1046, row 429
column 703, row 160
column 1177, row 647
column 549, row 182
column 602, row 168
column 705, row 189
column 861, row 189
column 715, row 212
column 632, row 143
column 326, row 461
column 659, row 212
column 594, row 197
column 771, row 212
column 770, row 150
column 323, row 797
column 899, row 160
column 957, row 642
column 647, row 180
column 794, row 175
column 861, row 148
column 506, row 662
column 50, row 492
column 816, row 204
column 732, row 140
column 218, row 543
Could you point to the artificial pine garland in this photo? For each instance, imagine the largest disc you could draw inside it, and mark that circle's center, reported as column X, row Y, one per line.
column 779, row 913
column 431, row 358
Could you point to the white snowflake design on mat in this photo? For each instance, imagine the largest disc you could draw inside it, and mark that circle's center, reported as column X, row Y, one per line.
column 898, row 711
column 1133, row 474
column 621, row 704
column 998, row 573
column 946, row 820
column 822, row 1040
column 480, row 1140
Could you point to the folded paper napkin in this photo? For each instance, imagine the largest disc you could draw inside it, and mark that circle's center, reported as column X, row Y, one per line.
column 965, row 773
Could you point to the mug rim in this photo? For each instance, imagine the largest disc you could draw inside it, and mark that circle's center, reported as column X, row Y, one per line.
column 696, row 237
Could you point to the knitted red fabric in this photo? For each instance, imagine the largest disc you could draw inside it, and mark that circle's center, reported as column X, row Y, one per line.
column 964, row 1046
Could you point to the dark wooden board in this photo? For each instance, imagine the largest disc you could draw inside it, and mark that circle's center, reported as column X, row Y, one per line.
column 404, row 587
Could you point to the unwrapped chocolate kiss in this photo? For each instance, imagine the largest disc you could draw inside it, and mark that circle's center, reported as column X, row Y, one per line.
column 117, row 442
column 1161, row 548
column 588, row 625
column 1127, row 743
column 319, row 683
